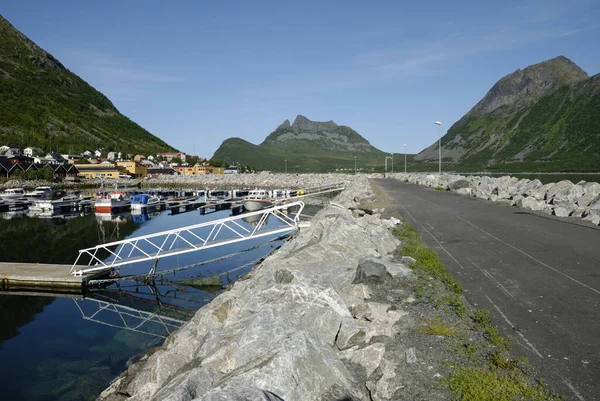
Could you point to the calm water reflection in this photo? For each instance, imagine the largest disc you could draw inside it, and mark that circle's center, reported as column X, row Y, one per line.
column 69, row 348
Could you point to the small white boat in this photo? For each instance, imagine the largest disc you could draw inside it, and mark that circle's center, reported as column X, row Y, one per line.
column 140, row 201
column 257, row 200
column 38, row 192
column 54, row 200
column 13, row 194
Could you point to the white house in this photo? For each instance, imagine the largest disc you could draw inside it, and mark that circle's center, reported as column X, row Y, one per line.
column 111, row 155
column 119, row 155
column 151, row 158
column 97, row 153
column 4, row 149
column 87, row 153
column 32, row 152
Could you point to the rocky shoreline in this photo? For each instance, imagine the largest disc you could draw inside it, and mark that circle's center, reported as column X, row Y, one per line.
column 562, row 199
column 324, row 318
column 215, row 181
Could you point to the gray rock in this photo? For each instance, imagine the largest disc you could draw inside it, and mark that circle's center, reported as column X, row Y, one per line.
column 369, row 357
column 411, row 355
column 555, row 188
column 384, row 387
column 458, row 184
column 564, row 210
column 568, row 195
column 591, row 190
column 371, row 271
column 239, row 394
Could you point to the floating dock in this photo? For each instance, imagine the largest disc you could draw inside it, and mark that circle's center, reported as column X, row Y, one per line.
column 52, row 278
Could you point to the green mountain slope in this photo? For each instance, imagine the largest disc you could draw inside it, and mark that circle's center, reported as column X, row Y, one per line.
column 308, row 146
column 45, row 105
column 543, row 118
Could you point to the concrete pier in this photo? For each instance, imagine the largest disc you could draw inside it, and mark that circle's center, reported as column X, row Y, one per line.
column 51, row 278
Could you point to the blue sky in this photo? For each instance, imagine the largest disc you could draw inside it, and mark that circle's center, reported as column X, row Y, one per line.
column 196, row 72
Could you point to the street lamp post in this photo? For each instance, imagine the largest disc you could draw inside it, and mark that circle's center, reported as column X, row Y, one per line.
column 354, row 165
column 439, row 124
column 386, row 159
column 286, row 166
column 404, row 158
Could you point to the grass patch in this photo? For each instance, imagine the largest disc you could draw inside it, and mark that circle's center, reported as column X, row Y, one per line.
column 435, row 326
column 489, row 385
column 440, row 188
column 484, row 369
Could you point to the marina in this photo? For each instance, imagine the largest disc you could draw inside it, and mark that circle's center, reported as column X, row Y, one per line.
column 141, row 273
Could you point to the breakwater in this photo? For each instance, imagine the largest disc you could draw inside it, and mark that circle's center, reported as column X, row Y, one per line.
column 562, row 199
column 303, row 325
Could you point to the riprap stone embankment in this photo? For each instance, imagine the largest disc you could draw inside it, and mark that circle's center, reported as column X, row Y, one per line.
column 561, row 199
column 300, row 326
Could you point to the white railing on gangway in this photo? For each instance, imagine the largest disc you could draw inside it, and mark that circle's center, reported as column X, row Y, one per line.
column 197, row 237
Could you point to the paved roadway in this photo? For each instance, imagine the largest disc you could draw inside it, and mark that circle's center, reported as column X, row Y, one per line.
column 539, row 275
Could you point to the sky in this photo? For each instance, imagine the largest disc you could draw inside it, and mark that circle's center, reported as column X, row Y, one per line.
column 195, row 73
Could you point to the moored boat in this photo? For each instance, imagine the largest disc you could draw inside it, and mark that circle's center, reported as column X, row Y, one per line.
column 38, row 192
column 140, row 201
column 257, row 200
column 114, row 201
column 13, row 194
column 53, row 200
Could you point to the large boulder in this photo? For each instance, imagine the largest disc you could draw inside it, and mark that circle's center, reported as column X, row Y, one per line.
column 485, row 188
column 505, row 186
column 531, row 204
column 591, row 190
column 458, row 184
column 564, row 210
column 555, row 188
column 569, row 194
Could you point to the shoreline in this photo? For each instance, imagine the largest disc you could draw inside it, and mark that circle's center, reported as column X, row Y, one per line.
column 333, row 314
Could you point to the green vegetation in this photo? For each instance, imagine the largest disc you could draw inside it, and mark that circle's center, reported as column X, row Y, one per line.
column 47, row 106
column 435, row 326
column 483, row 370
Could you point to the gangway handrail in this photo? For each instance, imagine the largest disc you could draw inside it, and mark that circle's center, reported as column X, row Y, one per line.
column 162, row 243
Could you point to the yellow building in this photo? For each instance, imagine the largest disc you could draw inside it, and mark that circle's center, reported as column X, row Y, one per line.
column 98, row 170
column 198, row 169
column 133, row 168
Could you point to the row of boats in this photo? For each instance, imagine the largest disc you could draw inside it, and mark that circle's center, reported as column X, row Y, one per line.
column 48, row 199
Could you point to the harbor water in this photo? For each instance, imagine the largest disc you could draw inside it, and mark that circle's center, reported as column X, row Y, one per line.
column 70, row 348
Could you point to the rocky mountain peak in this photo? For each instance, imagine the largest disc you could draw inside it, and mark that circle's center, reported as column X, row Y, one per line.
column 302, row 123
column 523, row 87
column 285, row 124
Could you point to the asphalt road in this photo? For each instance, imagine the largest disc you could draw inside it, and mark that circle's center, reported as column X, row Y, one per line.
column 539, row 276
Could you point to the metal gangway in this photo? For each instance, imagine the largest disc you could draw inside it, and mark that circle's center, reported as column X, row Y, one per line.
column 312, row 191
column 196, row 237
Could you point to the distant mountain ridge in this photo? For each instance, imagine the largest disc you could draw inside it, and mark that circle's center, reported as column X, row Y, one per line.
column 542, row 118
column 45, row 105
column 306, row 145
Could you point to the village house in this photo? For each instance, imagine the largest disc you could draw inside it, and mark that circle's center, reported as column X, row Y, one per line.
column 133, row 168
column 111, row 156
column 139, row 158
column 99, row 170
column 32, row 152
column 231, row 170
column 172, row 155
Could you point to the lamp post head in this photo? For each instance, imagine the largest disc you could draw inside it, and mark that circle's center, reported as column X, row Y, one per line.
column 438, row 123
